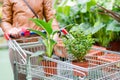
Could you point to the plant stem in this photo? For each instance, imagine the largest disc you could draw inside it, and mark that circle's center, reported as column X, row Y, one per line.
column 82, row 20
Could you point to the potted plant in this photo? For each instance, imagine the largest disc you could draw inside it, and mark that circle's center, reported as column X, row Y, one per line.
column 49, row 43
column 78, row 46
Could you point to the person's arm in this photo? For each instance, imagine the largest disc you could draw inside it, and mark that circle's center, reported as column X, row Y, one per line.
column 6, row 16
column 49, row 13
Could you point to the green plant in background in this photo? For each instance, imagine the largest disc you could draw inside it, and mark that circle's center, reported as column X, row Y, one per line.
column 63, row 14
column 48, row 40
column 98, row 24
column 80, row 45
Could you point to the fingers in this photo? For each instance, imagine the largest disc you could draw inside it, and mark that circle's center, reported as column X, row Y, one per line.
column 14, row 32
column 60, row 51
column 15, row 35
column 55, row 37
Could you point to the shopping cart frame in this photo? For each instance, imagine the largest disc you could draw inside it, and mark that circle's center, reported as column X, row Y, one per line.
column 27, row 54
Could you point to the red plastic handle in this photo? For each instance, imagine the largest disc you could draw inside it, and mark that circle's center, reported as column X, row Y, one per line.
column 24, row 32
column 7, row 37
column 64, row 31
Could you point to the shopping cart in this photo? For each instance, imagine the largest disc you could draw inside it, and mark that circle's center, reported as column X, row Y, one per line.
column 27, row 63
column 45, row 69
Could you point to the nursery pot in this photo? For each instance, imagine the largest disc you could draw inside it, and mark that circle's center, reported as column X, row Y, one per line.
column 49, row 67
column 83, row 64
column 109, row 57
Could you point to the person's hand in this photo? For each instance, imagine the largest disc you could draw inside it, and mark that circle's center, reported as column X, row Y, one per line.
column 15, row 32
column 59, row 49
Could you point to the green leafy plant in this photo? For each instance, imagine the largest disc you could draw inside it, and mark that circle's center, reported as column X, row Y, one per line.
column 80, row 45
column 47, row 37
column 98, row 25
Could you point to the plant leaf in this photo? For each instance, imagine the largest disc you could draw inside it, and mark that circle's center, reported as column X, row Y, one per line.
column 88, row 31
column 97, row 26
column 66, row 10
column 109, row 4
column 83, row 8
column 39, row 33
column 46, row 26
column 49, row 47
column 82, row 1
column 37, row 53
column 113, row 26
column 36, row 22
column 90, row 4
column 54, row 32
column 50, row 22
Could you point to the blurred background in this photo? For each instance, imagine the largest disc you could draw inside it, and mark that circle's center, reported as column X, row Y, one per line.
column 5, row 67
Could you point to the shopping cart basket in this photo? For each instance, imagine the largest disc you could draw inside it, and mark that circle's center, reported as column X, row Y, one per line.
column 45, row 69
column 53, row 68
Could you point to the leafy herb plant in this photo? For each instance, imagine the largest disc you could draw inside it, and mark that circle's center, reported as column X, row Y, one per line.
column 80, row 45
